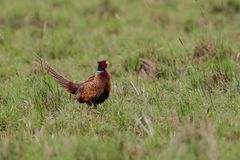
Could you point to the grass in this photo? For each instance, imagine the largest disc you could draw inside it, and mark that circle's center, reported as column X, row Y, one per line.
column 188, row 108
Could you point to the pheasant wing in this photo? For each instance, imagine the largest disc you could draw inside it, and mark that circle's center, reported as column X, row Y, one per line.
column 90, row 90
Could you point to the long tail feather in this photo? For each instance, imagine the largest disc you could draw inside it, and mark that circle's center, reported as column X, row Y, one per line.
column 65, row 83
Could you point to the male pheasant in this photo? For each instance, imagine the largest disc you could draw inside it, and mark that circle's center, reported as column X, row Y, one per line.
column 94, row 91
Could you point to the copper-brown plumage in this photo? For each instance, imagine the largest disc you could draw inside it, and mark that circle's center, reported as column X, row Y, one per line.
column 94, row 91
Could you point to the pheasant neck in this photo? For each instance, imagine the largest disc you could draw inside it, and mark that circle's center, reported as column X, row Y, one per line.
column 100, row 69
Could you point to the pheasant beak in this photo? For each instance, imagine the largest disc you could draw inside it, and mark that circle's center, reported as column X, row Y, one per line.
column 107, row 63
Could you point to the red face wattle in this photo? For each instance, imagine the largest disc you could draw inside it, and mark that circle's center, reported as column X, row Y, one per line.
column 103, row 64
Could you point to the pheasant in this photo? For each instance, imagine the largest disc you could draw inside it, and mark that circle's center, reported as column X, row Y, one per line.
column 94, row 91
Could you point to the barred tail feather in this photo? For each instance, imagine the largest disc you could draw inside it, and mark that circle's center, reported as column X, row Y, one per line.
column 65, row 83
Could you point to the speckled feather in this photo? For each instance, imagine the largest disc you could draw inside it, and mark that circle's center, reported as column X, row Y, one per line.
column 94, row 91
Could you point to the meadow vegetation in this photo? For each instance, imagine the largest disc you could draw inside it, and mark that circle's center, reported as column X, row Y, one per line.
column 175, row 79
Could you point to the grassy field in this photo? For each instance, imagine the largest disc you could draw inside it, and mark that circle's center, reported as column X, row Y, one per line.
column 175, row 79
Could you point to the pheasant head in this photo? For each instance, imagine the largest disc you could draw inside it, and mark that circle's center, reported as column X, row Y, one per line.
column 102, row 65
